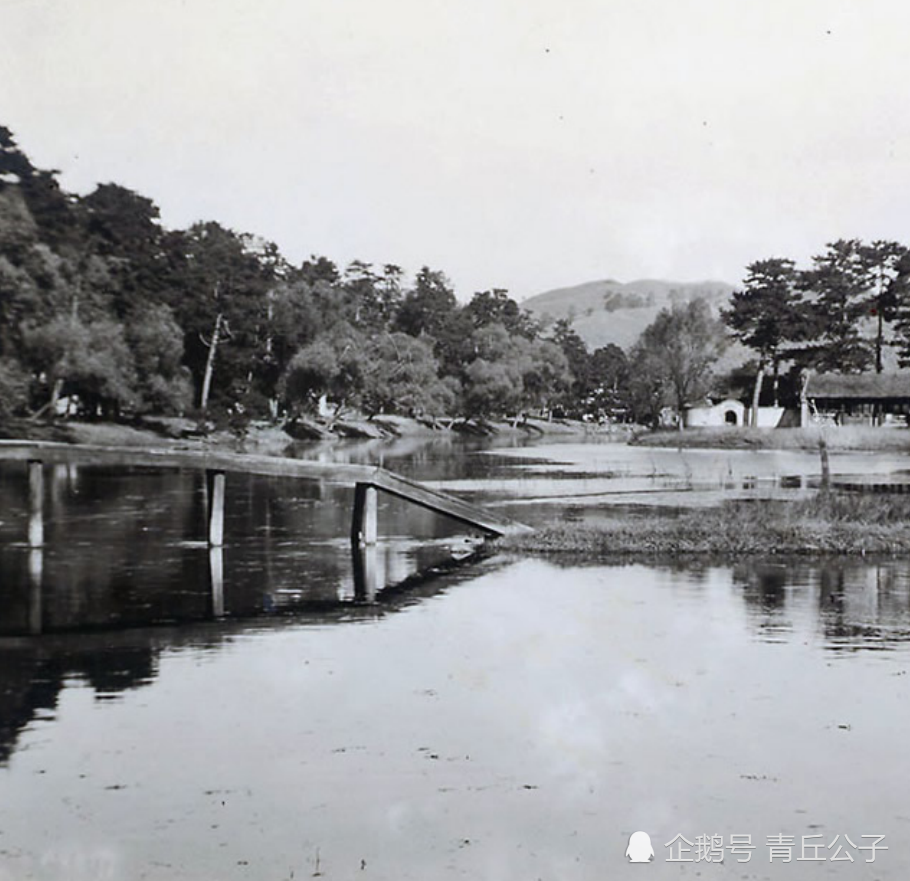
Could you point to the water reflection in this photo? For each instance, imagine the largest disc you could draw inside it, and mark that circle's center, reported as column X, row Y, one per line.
column 33, row 673
column 528, row 721
column 841, row 606
column 32, row 677
column 849, row 604
column 128, row 547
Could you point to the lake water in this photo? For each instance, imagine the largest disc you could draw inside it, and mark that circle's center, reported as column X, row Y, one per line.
column 511, row 719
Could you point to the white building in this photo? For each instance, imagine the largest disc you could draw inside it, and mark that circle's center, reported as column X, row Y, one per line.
column 727, row 412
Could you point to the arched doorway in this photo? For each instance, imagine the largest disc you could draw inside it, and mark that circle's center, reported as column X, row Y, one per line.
column 730, row 417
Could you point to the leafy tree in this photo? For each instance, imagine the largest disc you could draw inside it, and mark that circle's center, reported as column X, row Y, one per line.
column 390, row 292
column 545, row 373
column 428, row 306
column 53, row 211
column 883, row 261
column 648, row 388
column 371, row 298
column 672, row 359
column 492, row 387
column 18, row 230
column 219, row 299
column 838, row 284
column 401, row 375
column 102, row 369
column 20, row 291
column 509, row 373
column 766, row 314
column 163, row 384
column 310, row 374
column 497, row 307
column 122, row 227
column 91, row 360
column 492, row 375
column 294, row 317
column 901, row 287
column 607, row 381
column 579, row 361
column 319, row 269
column 15, row 166
column 331, row 365
column 361, row 287
column 453, row 346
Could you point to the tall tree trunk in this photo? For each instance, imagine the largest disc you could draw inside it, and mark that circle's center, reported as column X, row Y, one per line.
column 879, row 339
column 56, row 388
column 756, row 392
column 210, row 364
column 804, row 399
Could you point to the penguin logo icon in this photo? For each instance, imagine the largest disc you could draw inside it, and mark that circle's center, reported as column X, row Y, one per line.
column 639, row 849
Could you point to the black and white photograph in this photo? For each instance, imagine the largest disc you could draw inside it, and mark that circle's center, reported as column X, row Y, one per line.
column 454, row 440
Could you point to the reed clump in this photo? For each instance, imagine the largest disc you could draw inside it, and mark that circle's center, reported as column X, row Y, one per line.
column 827, row 523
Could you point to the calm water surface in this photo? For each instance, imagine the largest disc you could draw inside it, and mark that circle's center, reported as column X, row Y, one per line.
column 513, row 719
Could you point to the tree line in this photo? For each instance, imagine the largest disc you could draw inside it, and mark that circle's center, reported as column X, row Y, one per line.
column 101, row 305
column 839, row 315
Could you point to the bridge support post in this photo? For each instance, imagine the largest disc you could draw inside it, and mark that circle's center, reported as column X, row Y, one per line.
column 35, row 503
column 216, row 508
column 364, row 527
column 35, row 573
column 366, row 575
column 216, row 574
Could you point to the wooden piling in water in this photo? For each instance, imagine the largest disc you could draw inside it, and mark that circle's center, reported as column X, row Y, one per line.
column 826, row 467
column 366, row 572
column 216, row 576
column 35, row 503
column 35, row 584
column 364, row 526
column 216, row 508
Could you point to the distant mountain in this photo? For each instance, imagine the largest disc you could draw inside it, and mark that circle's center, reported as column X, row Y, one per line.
column 610, row 311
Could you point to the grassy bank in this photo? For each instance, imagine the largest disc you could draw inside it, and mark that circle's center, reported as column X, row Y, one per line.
column 844, row 438
column 832, row 523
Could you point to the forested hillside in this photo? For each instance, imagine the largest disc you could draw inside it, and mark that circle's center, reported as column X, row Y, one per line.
column 103, row 307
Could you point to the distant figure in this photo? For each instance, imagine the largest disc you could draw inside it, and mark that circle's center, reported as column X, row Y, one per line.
column 639, row 849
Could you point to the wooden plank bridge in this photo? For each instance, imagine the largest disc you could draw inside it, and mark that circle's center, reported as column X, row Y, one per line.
column 366, row 480
column 363, row 477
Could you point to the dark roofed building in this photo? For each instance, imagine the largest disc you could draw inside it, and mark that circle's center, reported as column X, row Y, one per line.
column 860, row 399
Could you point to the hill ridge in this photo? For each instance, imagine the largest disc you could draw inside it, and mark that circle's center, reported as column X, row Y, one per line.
column 609, row 311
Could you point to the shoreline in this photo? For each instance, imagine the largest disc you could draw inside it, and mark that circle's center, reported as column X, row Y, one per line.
column 835, row 523
column 265, row 438
column 841, row 438
column 261, row 436
column 827, row 524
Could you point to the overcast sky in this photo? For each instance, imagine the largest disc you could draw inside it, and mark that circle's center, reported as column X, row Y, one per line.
column 525, row 144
